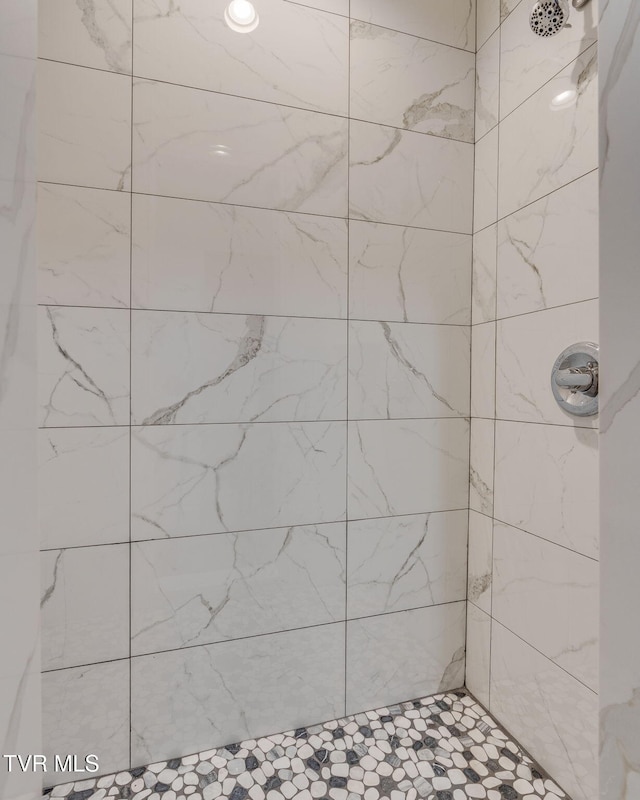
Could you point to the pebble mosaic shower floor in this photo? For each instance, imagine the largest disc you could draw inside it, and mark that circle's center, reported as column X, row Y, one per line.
column 444, row 747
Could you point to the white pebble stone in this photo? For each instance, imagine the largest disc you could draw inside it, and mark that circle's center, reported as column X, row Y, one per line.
column 384, row 769
column 142, row 795
column 306, row 751
column 237, row 766
column 338, row 794
column 411, row 769
column 189, row 790
column 137, row 785
column 170, row 795
column 288, row 790
column 157, row 768
column 371, row 779
column 340, row 770
column 189, row 760
column 246, row 780
column 205, row 767
column 166, row 776
column 103, row 783
column 368, row 763
column 227, row 785
column 256, row 792
column 357, row 773
column 281, row 763
column 297, row 765
column 301, row 781
column 522, row 786
column 457, row 777
column 318, row 788
column 259, row 775
column 191, row 778
column 440, row 782
column 425, row 769
column 475, row 790
column 371, row 794
column 356, row 786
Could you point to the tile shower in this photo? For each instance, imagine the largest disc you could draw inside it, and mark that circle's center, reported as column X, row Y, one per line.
column 278, row 310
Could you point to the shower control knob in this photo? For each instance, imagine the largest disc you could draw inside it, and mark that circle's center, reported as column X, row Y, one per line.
column 575, row 379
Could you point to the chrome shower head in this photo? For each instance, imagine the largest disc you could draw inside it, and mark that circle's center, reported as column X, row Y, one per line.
column 549, row 17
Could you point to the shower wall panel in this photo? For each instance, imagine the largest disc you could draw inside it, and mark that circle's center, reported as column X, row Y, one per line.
column 532, row 635
column 255, row 279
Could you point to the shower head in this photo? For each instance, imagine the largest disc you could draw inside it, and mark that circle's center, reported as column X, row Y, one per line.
column 549, row 17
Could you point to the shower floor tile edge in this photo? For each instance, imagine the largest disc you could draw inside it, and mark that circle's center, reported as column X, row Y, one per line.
column 442, row 747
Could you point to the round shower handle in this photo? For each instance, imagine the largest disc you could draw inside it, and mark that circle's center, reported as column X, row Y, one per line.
column 575, row 379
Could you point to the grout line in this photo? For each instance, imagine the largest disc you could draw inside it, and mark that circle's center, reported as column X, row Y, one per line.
column 346, row 319
column 348, row 313
column 343, row 521
column 343, row 218
column 537, row 200
column 495, row 369
column 278, row 104
column 550, row 660
column 336, row 622
column 497, row 520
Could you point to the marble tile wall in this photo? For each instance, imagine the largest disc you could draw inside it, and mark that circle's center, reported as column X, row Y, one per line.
column 532, row 626
column 620, row 446
column 255, row 306
column 20, row 683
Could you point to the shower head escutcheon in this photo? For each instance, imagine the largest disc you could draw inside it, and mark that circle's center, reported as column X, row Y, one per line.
column 549, row 17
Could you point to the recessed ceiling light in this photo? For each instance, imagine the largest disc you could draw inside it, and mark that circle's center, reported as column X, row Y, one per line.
column 241, row 16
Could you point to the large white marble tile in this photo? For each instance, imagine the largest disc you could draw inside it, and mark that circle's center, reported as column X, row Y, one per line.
column 526, row 352
column 406, row 562
column 83, row 357
column 84, row 126
column 528, row 61
column 194, row 256
column 408, row 178
column 411, row 83
column 201, row 697
column 547, row 483
column 439, row 20
column 206, row 146
column 483, row 301
column 488, row 20
column 83, row 366
column 478, row 656
column 548, row 596
column 83, row 486
column 548, row 251
column 407, row 467
column 206, row 589
column 332, row 6
column 408, row 654
column 191, row 44
column 85, row 710
column 85, row 605
column 400, row 370
column 487, row 85
column 542, row 705
column 545, row 146
column 485, row 188
column 83, row 246
column 198, row 479
column 506, row 7
column 481, row 465
column 480, row 561
column 189, row 368
column 94, row 34
column 483, row 370
column 408, row 275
